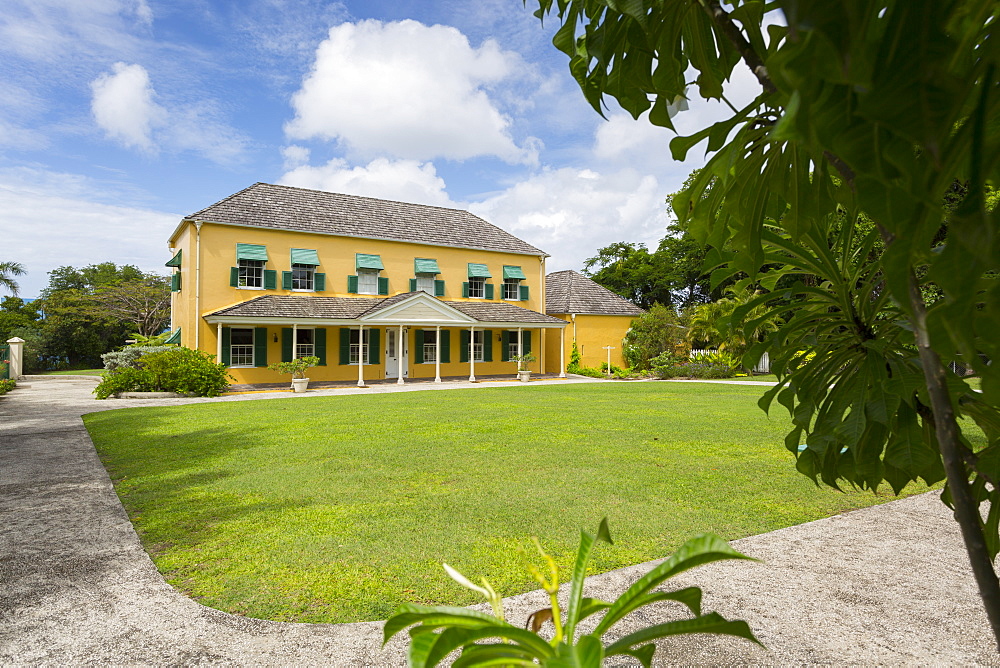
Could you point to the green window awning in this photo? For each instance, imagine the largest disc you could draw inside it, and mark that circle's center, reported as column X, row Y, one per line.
column 513, row 272
column 424, row 266
column 369, row 261
column 174, row 338
column 479, row 271
column 251, row 252
column 175, row 261
column 305, row 256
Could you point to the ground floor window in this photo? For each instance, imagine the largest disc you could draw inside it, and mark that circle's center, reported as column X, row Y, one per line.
column 359, row 346
column 476, row 346
column 305, row 343
column 430, row 346
column 240, row 347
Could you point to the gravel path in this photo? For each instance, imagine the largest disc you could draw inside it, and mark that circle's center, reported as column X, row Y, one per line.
column 883, row 585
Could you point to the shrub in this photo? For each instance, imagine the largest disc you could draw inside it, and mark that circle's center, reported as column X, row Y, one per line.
column 576, row 367
column 171, row 369
column 6, row 385
column 718, row 357
column 129, row 356
column 693, row 370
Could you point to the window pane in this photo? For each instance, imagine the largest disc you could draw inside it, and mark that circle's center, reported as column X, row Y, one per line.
column 302, row 277
column 477, row 287
column 240, row 347
column 367, row 281
column 304, row 343
column 511, row 289
column 251, row 273
column 425, row 282
column 477, row 346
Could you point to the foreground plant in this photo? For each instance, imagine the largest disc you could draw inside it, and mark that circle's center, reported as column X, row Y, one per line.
column 440, row 630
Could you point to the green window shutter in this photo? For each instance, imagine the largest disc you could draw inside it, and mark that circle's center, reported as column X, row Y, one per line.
column 524, row 292
column 489, row 291
column 352, row 285
column 525, row 342
column 345, row 345
column 175, row 282
column 374, row 348
column 445, row 347
column 413, row 285
column 225, row 346
column 321, row 345
column 439, row 288
column 513, row 272
column 465, row 289
column 463, row 344
column 304, row 256
column 287, row 344
column 260, row 346
column 175, row 261
column 383, row 285
column 319, row 282
column 488, row 345
column 418, row 346
column 270, row 279
column 505, row 346
column 286, row 280
column 234, row 277
column 251, row 252
column 363, row 261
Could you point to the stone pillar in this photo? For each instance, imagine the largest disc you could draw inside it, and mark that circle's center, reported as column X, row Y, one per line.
column 16, row 357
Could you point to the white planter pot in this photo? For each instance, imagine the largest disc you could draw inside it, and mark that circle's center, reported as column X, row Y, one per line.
column 524, row 376
column 300, row 384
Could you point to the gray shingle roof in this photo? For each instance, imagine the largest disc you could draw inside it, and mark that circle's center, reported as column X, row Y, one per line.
column 572, row 292
column 287, row 208
column 349, row 308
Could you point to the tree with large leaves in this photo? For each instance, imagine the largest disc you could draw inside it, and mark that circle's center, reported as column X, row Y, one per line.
column 839, row 173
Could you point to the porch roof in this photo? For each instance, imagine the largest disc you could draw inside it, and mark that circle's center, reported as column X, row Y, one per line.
column 374, row 311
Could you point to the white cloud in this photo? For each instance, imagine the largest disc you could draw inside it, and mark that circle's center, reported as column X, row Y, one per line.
column 401, row 180
column 123, row 106
column 408, row 90
column 570, row 213
column 295, row 156
column 43, row 230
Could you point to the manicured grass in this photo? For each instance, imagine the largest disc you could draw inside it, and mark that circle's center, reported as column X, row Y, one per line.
column 76, row 372
column 335, row 509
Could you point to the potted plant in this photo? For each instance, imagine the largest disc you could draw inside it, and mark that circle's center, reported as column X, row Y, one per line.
column 523, row 372
column 297, row 367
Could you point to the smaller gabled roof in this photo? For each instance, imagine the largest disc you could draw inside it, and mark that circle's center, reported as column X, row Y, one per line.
column 572, row 292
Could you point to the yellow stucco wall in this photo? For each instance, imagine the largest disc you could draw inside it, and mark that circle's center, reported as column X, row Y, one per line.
column 337, row 261
column 592, row 333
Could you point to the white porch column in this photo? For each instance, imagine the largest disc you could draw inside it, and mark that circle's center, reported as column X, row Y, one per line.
column 437, row 355
column 472, row 355
column 520, row 349
column 15, row 361
column 361, row 356
column 400, row 348
column 218, row 343
column 295, row 340
column 562, row 352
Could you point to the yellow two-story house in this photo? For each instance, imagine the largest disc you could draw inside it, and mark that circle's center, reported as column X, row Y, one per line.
column 376, row 289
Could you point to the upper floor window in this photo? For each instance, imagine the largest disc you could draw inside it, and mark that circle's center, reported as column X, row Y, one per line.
column 368, row 281
column 512, row 288
column 425, row 283
column 477, row 287
column 251, row 273
column 303, row 277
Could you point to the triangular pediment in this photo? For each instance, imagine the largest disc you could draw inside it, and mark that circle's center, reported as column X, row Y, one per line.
column 419, row 308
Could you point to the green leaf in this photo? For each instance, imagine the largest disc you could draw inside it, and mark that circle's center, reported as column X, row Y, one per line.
column 587, row 653
column 408, row 614
column 713, row 622
column 587, row 541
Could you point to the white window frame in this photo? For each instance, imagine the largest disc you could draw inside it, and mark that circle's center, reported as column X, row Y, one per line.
column 425, row 282
column 477, row 284
column 251, row 274
column 303, row 278
column 305, row 349
column 368, row 281
column 512, row 286
column 355, row 349
column 430, row 346
column 476, row 344
column 241, row 351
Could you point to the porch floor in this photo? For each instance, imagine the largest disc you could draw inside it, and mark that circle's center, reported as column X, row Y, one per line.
column 326, row 384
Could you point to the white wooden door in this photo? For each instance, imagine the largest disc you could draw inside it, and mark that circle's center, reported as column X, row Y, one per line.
column 395, row 354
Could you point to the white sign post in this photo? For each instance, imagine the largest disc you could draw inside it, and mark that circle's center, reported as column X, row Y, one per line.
column 609, row 349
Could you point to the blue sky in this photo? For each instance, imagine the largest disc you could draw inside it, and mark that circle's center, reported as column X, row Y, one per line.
column 118, row 117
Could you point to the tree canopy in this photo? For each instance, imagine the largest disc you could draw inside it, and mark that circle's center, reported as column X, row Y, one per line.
column 868, row 111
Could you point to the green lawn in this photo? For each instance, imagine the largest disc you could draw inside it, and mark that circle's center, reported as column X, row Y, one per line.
column 76, row 372
column 336, row 509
